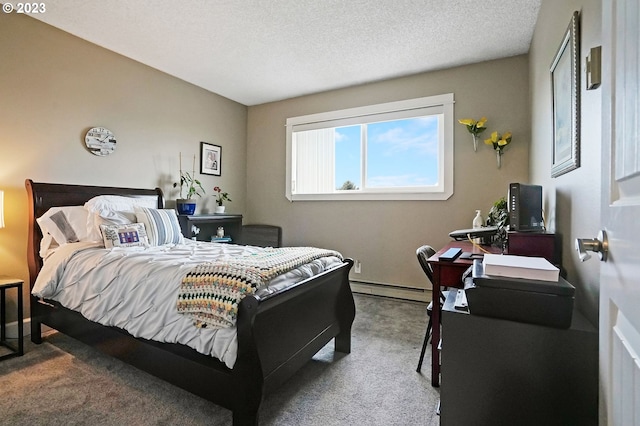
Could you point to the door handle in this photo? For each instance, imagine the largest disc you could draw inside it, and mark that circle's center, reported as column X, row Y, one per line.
column 598, row 245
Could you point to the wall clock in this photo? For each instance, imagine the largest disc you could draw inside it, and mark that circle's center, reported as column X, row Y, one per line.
column 100, row 141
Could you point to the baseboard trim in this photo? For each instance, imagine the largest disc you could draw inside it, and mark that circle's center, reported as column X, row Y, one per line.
column 12, row 328
column 388, row 290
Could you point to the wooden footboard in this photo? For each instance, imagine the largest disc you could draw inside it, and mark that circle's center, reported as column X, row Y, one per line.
column 277, row 334
column 311, row 314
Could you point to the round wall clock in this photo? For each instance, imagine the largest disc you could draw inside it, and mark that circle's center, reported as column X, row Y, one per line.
column 100, row 141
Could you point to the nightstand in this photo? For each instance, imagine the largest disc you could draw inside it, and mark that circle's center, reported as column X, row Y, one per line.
column 6, row 284
column 208, row 225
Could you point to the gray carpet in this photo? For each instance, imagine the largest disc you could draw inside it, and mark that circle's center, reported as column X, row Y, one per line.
column 64, row 382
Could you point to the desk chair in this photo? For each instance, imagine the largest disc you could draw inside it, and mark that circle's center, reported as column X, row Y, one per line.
column 423, row 253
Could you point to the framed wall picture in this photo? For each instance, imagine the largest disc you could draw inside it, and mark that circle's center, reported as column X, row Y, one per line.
column 565, row 86
column 210, row 159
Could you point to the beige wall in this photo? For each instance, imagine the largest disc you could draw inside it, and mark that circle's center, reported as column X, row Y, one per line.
column 572, row 201
column 384, row 235
column 55, row 86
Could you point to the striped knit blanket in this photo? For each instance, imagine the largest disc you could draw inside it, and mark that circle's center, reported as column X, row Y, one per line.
column 210, row 293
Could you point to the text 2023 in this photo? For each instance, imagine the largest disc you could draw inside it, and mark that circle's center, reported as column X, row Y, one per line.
column 30, row 8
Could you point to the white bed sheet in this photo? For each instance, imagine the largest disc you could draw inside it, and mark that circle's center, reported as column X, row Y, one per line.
column 136, row 289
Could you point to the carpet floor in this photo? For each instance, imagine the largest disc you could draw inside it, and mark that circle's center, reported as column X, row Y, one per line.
column 64, row 382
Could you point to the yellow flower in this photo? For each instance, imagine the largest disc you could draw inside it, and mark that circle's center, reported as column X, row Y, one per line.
column 499, row 141
column 474, row 126
column 493, row 139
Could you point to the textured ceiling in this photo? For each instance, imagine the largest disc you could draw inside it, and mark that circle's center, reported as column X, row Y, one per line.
column 257, row 51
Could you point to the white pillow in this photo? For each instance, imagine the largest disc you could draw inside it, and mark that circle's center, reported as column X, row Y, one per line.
column 161, row 224
column 114, row 210
column 129, row 235
column 120, row 203
column 67, row 225
column 47, row 245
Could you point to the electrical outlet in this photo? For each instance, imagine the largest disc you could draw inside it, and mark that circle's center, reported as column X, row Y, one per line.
column 357, row 266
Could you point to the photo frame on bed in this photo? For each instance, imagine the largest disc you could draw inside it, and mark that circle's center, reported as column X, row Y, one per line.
column 565, row 86
column 210, row 159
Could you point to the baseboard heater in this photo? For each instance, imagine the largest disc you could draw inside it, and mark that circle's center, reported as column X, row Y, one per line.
column 390, row 290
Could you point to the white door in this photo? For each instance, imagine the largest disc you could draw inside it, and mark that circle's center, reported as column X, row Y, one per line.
column 620, row 274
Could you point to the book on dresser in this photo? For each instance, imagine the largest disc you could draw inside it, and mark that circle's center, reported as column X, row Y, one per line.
column 221, row 239
column 513, row 266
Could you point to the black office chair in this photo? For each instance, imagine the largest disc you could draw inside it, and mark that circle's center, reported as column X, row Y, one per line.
column 423, row 253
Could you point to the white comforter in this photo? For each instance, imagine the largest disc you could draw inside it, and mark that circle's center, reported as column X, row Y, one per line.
column 136, row 289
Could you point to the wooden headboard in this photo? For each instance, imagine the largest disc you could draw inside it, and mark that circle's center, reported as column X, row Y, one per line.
column 43, row 196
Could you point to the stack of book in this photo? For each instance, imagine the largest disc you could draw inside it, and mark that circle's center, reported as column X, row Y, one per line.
column 220, row 239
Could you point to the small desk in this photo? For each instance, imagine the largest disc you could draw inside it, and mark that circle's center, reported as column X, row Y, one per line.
column 447, row 274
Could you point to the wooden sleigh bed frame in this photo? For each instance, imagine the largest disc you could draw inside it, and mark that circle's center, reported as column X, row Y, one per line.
column 277, row 334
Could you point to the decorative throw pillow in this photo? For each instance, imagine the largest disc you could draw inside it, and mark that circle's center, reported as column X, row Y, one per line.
column 161, row 224
column 129, row 235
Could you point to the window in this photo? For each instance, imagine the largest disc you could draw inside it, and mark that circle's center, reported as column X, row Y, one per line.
column 393, row 151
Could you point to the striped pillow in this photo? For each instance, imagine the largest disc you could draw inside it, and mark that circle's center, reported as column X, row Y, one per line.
column 161, row 224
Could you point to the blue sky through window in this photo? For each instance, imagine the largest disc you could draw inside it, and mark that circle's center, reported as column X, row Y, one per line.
column 348, row 155
column 400, row 153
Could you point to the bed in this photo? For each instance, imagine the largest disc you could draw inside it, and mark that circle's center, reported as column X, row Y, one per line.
column 277, row 332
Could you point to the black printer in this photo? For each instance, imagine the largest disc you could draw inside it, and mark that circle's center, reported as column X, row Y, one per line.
column 548, row 303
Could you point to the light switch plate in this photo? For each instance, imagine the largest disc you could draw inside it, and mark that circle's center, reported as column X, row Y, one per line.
column 593, row 68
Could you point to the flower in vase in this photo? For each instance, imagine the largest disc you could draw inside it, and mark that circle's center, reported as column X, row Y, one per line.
column 499, row 141
column 222, row 196
column 474, row 127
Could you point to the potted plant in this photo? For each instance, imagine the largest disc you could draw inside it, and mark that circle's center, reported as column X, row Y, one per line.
column 220, row 198
column 499, row 217
column 188, row 181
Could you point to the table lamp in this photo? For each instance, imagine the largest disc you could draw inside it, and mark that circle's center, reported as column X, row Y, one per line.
column 1, row 209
